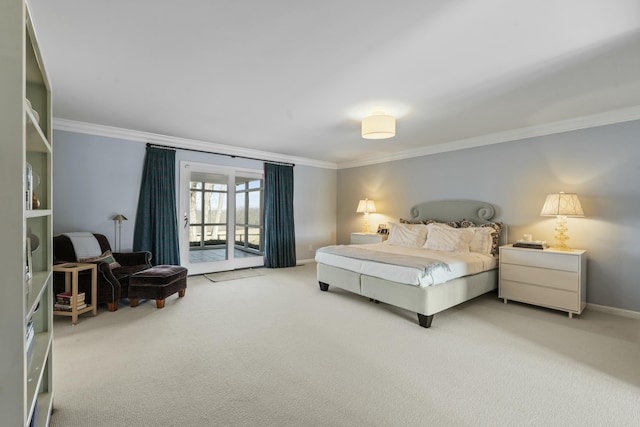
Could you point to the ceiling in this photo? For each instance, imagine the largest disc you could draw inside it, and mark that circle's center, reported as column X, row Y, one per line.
column 295, row 77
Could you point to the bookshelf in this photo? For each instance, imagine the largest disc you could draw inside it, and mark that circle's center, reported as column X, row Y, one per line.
column 26, row 308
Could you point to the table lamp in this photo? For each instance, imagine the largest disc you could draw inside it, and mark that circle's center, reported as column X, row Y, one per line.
column 365, row 206
column 562, row 205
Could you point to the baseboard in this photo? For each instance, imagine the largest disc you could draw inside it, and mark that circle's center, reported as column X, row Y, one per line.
column 305, row 261
column 613, row 310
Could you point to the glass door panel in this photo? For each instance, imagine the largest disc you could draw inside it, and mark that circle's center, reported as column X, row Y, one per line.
column 249, row 230
column 215, row 202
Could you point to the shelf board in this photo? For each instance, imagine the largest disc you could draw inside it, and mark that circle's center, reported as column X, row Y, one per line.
column 37, row 366
column 37, row 213
column 39, row 282
column 36, row 140
column 45, row 406
column 87, row 309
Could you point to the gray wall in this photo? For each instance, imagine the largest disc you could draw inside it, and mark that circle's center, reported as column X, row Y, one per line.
column 96, row 177
column 601, row 164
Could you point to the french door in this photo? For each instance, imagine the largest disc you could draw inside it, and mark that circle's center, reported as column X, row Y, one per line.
column 221, row 214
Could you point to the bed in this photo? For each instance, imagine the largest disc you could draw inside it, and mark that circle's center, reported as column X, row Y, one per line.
column 394, row 273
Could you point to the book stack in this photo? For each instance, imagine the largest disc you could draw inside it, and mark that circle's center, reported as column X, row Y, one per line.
column 65, row 301
column 535, row 244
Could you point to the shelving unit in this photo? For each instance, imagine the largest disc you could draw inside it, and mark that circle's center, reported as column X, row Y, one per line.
column 26, row 395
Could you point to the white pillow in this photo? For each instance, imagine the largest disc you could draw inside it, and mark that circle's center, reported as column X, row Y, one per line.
column 411, row 235
column 448, row 239
column 482, row 240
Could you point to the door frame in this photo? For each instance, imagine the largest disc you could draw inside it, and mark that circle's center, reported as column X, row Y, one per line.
column 231, row 263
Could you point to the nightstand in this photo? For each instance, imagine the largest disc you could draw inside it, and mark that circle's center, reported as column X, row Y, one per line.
column 364, row 238
column 548, row 278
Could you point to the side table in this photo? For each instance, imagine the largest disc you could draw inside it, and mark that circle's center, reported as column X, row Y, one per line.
column 71, row 270
column 364, row 238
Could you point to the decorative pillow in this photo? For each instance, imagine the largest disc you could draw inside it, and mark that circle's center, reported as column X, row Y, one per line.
column 465, row 223
column 448, row 239
column 454, row 224
column 497, row 228
column 105, row 257
column 411, row 235
column 482, row 241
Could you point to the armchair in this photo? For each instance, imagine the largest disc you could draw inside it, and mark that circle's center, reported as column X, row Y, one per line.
column 113, row 284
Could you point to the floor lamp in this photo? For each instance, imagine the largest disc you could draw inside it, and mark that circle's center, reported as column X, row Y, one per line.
column 117, row 224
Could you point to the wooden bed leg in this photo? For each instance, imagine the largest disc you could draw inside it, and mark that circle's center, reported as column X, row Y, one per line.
column 425, row 321
column 323, row 286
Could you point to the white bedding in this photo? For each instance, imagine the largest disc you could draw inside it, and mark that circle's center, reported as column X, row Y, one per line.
column 460, row 264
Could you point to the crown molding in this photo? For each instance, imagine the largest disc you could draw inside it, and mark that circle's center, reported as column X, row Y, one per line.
column 595, row 120
column 172, row 141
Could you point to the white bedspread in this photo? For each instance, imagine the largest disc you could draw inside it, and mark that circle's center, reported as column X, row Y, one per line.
column 460, row 264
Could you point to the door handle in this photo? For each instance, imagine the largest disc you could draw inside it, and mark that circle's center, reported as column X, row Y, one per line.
column 186, row 220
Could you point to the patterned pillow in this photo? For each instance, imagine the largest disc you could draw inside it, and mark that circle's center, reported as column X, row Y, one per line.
column 454, row 224
column 105, row 257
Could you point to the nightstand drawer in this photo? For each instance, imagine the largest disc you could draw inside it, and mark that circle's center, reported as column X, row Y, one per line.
column 558, row 279
column 553, row 298
column 534, row 258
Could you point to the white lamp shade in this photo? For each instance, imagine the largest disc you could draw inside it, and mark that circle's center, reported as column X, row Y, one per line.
column 366, row 206
column 562, row 204
column 378, row 126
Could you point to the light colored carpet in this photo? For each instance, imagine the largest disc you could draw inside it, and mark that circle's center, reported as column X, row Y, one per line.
column 223, row 276
column 276, row 351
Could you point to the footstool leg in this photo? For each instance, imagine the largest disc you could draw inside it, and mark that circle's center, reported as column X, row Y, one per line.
column 133, row 302
column 181, row 293
column 160, row 303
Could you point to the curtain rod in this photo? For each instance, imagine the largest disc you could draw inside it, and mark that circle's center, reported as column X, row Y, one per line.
column 220, row 154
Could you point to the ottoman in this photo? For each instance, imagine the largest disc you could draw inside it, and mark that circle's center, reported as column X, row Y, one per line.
column 157, row 283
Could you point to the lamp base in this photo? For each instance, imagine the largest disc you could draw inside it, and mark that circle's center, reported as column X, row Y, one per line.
column 561, row 237
column 561, row 248
column 365, row 225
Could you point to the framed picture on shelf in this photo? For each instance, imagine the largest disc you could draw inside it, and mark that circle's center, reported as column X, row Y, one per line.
column 382, row 229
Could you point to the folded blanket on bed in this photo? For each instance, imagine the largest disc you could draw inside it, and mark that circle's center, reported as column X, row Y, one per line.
column 426, row 265
column 84, row 244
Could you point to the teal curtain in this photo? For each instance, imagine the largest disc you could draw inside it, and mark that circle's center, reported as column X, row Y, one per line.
column 279, row 228
column 156, row 227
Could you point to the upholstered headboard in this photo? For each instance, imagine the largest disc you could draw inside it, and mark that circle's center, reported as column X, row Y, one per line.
column 453, row 210
column 457, row 210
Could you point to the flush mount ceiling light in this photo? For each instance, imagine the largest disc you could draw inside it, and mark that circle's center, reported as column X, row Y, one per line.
column 378, row 126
